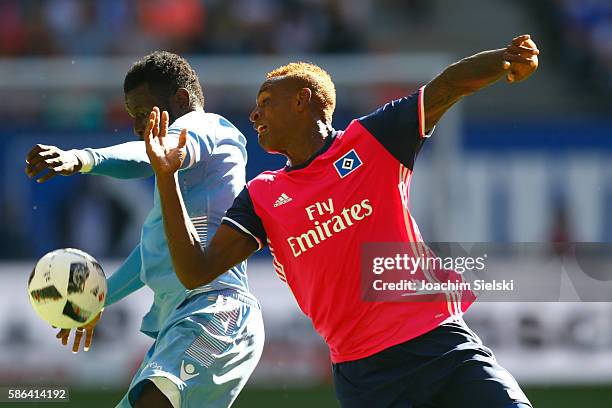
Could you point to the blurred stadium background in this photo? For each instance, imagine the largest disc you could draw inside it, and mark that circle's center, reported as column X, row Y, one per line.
column 524, row 163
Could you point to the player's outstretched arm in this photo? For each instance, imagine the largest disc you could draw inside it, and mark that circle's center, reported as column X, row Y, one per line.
column 194, row 266
column 126, row 161
column 516, row 62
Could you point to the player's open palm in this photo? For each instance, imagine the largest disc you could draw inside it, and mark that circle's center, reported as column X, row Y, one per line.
column 166, row 157
column 52, row 159
column 88, row 329
column 521, row 58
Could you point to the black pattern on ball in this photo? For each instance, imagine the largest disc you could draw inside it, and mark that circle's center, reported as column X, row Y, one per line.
column 74, row 312
column 79, row 272
column 46, row 294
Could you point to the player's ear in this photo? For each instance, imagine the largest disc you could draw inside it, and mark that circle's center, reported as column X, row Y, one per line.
column 303, row 98
column 182, row 100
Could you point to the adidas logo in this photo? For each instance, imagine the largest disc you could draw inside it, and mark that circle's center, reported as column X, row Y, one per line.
column 282, row 199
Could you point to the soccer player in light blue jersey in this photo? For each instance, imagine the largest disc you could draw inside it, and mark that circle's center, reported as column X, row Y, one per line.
column 207, row 340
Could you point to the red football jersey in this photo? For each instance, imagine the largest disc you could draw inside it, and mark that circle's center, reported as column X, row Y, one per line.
column 316, row 217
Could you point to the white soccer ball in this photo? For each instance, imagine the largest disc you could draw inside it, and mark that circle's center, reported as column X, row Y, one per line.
column 67, row 288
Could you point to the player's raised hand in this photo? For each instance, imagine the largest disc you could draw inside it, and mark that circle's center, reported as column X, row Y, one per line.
column 165, row 158
column 521, row 58
column 88, row 329
column 52, row 159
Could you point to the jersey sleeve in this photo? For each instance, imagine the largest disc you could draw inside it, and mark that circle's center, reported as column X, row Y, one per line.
column 129, row 160
column 242, row 217
column 400, row 126
column 197, row 148
column 126, row 279
column 205, row 137
column 125, row 161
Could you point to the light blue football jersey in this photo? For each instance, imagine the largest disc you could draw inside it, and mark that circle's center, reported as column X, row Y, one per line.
column 212, row 174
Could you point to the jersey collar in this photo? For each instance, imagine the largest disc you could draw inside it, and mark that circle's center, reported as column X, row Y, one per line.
column 329, row 140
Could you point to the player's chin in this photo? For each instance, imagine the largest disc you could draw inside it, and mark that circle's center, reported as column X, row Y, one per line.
column 264, row 141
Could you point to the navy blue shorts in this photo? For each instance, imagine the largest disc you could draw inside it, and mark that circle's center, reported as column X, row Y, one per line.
column 448, row 367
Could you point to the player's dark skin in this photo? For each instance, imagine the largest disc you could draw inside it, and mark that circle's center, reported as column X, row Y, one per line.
column 138, row 102
column 291, row 122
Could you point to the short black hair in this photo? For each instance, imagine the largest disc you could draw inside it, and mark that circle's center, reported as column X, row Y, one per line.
column 165, row 73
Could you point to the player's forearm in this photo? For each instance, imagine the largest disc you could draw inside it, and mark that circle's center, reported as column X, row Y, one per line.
column 192, row 265
column 476, row 72
column 460, row 79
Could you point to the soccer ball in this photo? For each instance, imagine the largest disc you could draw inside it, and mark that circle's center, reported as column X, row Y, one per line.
column 67, row 288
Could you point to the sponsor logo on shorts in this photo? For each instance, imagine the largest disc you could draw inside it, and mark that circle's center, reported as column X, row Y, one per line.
column 155, row 366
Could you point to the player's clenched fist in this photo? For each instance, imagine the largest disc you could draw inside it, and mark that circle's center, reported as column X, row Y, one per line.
column 521, row 58
column 53, row 159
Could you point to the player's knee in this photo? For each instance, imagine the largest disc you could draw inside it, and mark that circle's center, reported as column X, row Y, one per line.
column 152, row 397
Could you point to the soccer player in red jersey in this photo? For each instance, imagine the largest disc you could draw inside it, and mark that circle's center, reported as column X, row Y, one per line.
column 342, row 189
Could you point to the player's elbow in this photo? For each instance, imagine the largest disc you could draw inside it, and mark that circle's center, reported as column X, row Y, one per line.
column 190, row 285
column 196, row 275
column 191, row 282
column 187, row 281
column 189, row 277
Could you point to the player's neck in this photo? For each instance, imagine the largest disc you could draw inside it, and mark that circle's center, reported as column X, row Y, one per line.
column 307, row 143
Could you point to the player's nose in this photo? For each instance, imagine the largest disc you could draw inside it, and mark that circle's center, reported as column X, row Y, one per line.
column 254, row 116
